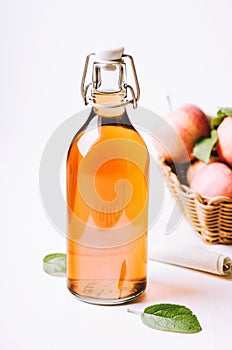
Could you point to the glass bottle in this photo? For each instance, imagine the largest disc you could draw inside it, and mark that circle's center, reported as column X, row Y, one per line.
column 107, row 190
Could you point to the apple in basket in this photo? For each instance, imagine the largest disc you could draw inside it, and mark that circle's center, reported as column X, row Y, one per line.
column 212, row 180
column 196, row 166
column 176, row 134
column 224, row 144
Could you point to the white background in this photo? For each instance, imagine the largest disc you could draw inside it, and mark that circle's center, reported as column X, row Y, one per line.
column 181, row 48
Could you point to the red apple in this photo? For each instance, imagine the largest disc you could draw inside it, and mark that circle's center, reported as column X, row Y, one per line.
column 176, row 134
column 224, row 143
column 213, row 180
column 195, row 167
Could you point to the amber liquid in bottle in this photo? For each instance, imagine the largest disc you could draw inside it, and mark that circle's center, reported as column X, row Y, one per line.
column 107, row 194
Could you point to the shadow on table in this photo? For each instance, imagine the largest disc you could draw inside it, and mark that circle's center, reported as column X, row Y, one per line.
column 165, row 292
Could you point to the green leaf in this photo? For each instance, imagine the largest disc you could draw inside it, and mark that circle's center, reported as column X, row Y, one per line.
column 216, row 121
column 204, row 146
column 226, row 112
column 171, row 317
column 221, row 114
column 55, row 264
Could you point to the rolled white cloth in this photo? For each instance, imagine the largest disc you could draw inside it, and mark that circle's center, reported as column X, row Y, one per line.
column 191, row 256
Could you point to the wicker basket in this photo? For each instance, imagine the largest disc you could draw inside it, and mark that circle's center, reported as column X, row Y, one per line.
column 211, row 218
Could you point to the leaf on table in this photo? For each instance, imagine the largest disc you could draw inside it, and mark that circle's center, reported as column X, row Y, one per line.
column 204, row 146
column 55, row 264
column 171, row 317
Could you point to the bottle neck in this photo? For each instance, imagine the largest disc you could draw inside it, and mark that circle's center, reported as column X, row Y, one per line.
column 109, row 89
column 104, row 102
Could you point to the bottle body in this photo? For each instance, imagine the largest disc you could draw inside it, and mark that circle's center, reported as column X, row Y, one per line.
column 107, row 195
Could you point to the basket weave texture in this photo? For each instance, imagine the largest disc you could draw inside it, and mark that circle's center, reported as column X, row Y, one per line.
column 210, row 217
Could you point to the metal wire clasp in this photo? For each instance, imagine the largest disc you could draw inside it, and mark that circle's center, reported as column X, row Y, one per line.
column 85, row 87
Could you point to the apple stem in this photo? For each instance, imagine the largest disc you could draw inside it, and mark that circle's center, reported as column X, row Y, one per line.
column 169, row 103
column 134, row 312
